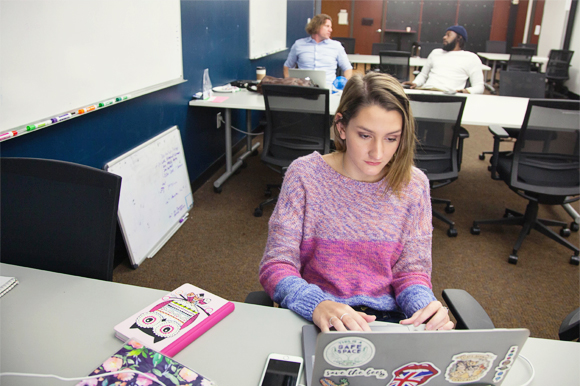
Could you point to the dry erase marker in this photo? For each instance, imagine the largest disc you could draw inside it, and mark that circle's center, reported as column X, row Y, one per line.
column 61, row 118
column 107, row 103
column 9, row 134
column 90, row 108
column 122, row 98
column 38, row 125
column 184, row 217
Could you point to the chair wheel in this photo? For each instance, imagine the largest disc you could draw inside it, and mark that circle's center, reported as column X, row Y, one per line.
column 482, row 157
column 475, row 230
column 513, row 259
column 254, row 153
column 244, row 164
column 452, row 232
column 258, row 212
column 565, row 232
column 575, row 260
column 574, row 226
column 217, row 190
column 449, row 209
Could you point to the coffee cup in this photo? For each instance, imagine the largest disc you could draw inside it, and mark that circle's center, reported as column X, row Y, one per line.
column 260, row 72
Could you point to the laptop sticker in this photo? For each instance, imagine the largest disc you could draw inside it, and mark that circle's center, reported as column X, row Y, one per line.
column 357, row 372
column 349, row 352
column 469, row 367
column 414, row 374
column 328, row 382
column 503, row 367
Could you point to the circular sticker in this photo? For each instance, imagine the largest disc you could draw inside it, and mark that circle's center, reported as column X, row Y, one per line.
column 349, row 352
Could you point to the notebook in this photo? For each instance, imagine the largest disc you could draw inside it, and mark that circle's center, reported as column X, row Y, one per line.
column 392, row 355
column 176, row 320
column 318, row 77
column 135, row 356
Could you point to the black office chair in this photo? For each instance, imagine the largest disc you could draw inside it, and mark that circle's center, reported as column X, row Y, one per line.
column 58, row 216
column 298, row 123
column 439, row 143
column 520, row 60
column 529, row 45
column 378, row 47
column 347, row 43
column 425, row 48
column 543, row 168
column 467, row 311
column 570, row 327
column 395, row 63
column 495, row 46
column 522, row 84
column 557, row 72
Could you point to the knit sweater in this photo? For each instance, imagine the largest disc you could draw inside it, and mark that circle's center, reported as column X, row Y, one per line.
column 450, row 71
column 334, row 238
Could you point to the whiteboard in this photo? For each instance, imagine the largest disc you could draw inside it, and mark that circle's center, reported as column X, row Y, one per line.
column 267, row 27
column 59, row 56
column 155, row 193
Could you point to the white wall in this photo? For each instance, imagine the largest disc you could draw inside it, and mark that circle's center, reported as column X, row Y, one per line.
column 552, row 36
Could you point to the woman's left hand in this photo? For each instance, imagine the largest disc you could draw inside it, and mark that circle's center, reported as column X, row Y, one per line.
column 435, row 313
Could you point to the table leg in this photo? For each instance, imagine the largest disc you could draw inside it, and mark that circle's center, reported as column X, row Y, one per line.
column 231, row 169
column 489, row 85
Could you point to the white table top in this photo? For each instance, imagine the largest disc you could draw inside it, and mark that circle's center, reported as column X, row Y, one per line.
column 506, row 57
column 480, row 109
column 61, row 324
column 376, row 59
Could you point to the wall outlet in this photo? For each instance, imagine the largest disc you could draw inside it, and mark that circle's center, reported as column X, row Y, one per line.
column 219, row 120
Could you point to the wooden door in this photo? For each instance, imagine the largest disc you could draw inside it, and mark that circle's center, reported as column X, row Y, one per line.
column 332, row 8
column 367, row 12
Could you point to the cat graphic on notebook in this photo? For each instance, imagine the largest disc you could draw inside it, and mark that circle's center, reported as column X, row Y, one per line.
column 168, row 318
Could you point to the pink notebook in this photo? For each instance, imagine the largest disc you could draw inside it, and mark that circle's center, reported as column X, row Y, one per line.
column 176, row 320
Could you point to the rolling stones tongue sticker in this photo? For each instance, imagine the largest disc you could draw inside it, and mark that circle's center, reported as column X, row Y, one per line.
column 469, row 367
column 414, row 374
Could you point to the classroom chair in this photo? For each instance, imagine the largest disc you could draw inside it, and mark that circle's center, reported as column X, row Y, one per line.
column 520, row 60
column 395, row 63
column 58, row 216
column 543, row 168
column 557, row 72
column 298, row 123
column 347, row 43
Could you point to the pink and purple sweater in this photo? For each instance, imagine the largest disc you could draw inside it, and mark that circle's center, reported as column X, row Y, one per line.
column 334, row 238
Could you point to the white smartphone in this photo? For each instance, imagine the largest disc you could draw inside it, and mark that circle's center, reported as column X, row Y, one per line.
column 282, row 370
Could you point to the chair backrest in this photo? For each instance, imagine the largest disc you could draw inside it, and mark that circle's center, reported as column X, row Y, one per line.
column 546, row 158
column 438, row 121
column 347, row 43
column 378, row 47
column 520, row 59
column 529, row 45
column 558, row 64
column 58, row 216
column 395, row 63
column 495, row 46
column 522, row 84
column 425, row 48
column 298, row 123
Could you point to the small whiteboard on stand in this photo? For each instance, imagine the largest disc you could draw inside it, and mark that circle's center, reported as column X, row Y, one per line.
column 156, row 194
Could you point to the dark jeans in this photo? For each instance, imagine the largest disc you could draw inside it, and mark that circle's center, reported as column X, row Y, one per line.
column 382, row 316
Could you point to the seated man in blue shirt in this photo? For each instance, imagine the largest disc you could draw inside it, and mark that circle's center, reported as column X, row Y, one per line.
column 319, row 52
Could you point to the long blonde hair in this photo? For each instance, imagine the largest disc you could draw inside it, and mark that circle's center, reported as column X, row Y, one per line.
column 384, row 91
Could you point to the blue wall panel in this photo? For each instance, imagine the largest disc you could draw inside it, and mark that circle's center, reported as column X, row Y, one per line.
column 214, row 36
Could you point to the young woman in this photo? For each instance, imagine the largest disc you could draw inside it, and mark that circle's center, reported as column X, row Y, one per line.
column 350, row 238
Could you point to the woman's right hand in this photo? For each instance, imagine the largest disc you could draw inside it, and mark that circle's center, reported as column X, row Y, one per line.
column 342, row 317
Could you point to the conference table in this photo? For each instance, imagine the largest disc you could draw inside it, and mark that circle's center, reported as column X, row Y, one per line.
column 480, row 109
column 60, row 324
column 414, row 61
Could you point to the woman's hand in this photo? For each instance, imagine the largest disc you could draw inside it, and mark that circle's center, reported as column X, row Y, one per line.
column 437, row 315
column 340, row 316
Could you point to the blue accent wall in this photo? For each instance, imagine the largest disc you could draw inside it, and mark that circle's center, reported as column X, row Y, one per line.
column 214, row 36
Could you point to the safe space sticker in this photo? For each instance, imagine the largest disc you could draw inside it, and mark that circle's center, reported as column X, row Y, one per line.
column 469, row 367
column 349, row 352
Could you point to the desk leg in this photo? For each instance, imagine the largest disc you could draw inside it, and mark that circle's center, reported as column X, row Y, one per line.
column 231, row 169
column 489, row 85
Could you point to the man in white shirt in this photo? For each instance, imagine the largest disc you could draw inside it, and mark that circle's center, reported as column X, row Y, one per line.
column 449, row 68
column 319, row 51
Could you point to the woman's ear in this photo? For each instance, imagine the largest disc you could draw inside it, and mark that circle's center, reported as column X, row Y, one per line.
column 340, row 125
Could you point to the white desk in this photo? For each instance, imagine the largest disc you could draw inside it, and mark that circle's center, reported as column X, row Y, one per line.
column 60, row 324
column 480, row 109
column 376, row 59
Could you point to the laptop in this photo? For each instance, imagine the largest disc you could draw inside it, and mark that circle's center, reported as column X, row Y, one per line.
column 318, row 77
column 396, row 355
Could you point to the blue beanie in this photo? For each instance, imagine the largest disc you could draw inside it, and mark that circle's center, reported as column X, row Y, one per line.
column 459, row 30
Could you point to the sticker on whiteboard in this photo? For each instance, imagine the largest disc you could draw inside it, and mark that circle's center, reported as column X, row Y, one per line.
column 414, row 374
column 349, row 352
column 469, row 367
column 503, row 367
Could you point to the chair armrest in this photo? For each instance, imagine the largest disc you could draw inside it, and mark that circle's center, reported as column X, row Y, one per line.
column 498, row 135
column 463, row 133
column 467, row 311
column 570, row 327
column 260, row 298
